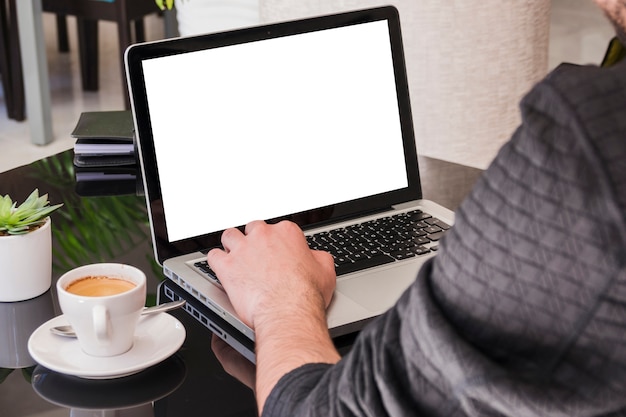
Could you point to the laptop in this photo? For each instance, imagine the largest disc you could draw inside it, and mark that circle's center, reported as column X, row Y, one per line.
column 306, row 120
column 167, row 290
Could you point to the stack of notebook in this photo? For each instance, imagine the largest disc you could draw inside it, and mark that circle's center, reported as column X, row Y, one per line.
column 104, row 153
column 104, row 138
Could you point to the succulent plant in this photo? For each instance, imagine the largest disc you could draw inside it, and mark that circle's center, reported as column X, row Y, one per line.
column 28, row 216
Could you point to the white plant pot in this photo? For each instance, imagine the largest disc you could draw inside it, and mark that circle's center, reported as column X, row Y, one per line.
column 204, row 16
column 26, row 264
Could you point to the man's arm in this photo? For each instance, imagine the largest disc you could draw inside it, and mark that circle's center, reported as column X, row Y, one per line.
column 281, row 289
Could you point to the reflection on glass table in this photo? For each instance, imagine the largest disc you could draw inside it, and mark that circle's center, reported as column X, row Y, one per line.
column 17, row 321
column 130, row 396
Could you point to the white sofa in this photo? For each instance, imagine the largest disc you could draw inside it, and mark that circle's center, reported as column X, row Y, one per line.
column 468, row 62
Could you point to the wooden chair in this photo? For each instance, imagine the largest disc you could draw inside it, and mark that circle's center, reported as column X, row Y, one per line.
column 88, row 12
column 10, row 62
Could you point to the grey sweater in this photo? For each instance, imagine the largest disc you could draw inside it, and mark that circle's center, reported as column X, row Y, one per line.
column 523, row 311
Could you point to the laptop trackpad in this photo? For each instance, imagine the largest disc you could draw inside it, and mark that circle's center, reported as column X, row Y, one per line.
column 365, row 288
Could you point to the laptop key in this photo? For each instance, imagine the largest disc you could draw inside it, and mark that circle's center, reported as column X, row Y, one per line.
column 421, row 240
column 435, row 236
column 206, row 269
column 436, row 222
column 362, row 264
column 418, row 215
column 421, row 250
column 403, row 254
column 432, row 229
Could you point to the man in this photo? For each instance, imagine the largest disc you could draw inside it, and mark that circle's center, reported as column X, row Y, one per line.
column 520, row 317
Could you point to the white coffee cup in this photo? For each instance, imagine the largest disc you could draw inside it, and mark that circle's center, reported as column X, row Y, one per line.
column 103, row 303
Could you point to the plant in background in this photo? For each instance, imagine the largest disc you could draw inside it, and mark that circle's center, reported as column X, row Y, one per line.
column 163, row 4
column 28, row 216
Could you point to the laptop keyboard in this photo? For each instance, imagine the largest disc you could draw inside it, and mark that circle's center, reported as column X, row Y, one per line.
column 373, row 243
column 380, row 241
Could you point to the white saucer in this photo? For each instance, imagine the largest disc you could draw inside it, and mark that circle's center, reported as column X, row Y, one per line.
column 158, row 337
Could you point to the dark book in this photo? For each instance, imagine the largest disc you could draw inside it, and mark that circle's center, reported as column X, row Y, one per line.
column 104, row 138
column 103, row 160
column 98, row 125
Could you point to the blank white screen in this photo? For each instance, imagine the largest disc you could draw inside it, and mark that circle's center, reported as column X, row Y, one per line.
column 270, row 128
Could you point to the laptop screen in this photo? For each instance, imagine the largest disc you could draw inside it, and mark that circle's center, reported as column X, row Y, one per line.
column 268, row 128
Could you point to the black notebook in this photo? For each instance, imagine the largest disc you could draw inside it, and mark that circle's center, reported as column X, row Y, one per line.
column 104, row 138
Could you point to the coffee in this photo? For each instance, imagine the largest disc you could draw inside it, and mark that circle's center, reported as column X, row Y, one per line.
column 99, row 286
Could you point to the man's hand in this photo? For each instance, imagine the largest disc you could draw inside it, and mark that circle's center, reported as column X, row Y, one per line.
column 269, row 266
column 281, row 289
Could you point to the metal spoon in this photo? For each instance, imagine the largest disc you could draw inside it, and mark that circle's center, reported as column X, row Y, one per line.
column 67, row 331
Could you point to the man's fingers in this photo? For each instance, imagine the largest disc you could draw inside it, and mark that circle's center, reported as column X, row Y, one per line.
column 325, row 259
column 252, row 225
column 230, row 238
column 214, row 255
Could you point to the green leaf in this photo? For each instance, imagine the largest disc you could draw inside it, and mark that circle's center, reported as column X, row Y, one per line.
column 27, row 216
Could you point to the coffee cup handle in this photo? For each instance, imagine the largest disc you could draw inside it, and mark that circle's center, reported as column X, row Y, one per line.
column 100, row 323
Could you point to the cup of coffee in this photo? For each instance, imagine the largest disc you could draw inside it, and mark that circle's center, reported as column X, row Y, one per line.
column 103, row 303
